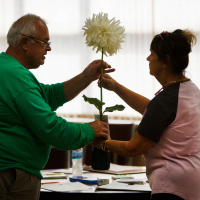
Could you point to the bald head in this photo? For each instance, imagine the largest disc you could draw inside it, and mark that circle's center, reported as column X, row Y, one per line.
column 26, row 25
column 28, row 40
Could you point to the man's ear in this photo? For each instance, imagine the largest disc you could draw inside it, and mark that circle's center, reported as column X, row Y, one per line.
column 24, row 43
column 164, row 65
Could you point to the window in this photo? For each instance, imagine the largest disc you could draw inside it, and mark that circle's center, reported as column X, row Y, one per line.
column 142, row 19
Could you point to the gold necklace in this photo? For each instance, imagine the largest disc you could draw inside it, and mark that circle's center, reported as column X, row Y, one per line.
column 161, row 89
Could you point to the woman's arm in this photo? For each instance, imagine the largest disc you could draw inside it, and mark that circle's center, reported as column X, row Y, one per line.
column 134, row 100
column 135, row 147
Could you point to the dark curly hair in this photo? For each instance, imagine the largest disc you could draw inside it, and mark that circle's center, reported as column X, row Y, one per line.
column 177, row 45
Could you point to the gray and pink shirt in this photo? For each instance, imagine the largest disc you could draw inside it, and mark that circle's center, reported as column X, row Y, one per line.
column 172, row 121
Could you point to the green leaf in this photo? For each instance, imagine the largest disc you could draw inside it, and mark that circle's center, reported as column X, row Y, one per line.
column 113, row 108
column 94, row 101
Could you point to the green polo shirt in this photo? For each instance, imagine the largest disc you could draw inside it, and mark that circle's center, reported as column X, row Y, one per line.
column 29, row 125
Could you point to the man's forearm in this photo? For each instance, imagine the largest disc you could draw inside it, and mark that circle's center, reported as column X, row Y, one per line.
column 75, row 85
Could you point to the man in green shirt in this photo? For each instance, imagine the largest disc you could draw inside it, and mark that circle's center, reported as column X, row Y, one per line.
column 29, row 125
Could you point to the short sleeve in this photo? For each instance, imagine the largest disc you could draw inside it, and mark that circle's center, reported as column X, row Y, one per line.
column 160, row 113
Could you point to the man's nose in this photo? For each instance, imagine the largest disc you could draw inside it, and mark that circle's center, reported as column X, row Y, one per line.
column 48, row 48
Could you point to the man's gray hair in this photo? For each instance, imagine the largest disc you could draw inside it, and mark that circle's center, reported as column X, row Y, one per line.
column 24, row 25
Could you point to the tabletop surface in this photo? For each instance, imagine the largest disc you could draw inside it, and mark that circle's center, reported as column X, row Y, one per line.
column 87, row 176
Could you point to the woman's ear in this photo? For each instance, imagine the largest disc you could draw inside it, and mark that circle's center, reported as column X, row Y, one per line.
column 167, row 66
column 168, row 61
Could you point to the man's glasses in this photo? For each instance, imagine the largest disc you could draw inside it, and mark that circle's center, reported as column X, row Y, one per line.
column 41, row 42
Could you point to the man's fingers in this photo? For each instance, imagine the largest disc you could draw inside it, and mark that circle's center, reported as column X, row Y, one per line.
column 109, row 70
column 105, row 135
column 96, row 61
column 99, row 77
column 105, row 124
column 105, row 130
column 105, row 65
column 100, row 128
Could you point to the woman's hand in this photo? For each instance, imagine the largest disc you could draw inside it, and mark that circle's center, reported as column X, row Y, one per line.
column 98, row 142
column 108, row 82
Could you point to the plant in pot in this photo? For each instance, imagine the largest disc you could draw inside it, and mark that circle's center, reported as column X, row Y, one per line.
column 105, row 35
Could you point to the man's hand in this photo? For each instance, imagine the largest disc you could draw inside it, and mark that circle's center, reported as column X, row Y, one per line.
column 100, row 128
column 98, row 142
column 75, row 85
column 93, row 70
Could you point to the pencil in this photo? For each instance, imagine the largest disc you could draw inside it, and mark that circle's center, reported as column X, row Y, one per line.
column 49, row 183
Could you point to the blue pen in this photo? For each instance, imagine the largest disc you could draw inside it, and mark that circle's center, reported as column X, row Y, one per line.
column 82, row 180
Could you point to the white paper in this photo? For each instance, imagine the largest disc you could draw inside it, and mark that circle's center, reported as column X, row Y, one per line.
column 52, row 175
column 68, row 187
column 132, row 181
column 120, row 169
column 122, row 186
column 65, row 171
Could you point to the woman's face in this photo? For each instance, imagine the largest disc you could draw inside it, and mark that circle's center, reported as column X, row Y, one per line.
column 155, row 65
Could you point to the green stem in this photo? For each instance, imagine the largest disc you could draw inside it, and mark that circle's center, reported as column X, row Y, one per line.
column 101, row 85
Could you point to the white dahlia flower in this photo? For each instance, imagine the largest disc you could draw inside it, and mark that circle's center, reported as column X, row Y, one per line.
column 104, row 34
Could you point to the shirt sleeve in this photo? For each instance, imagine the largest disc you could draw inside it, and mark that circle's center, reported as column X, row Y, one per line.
column 55, row 95
column 159, row 114
column 37, row 115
